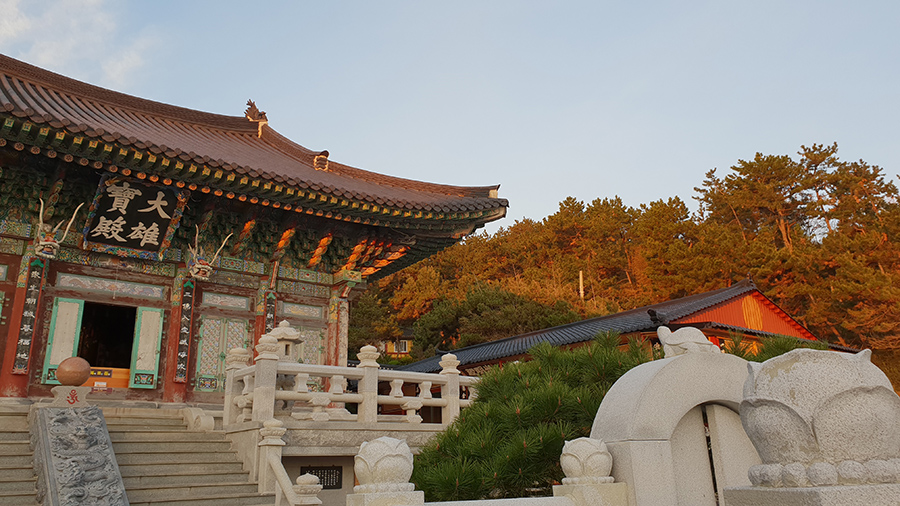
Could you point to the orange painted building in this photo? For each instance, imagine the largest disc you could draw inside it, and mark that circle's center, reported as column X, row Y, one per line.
column 738, row 309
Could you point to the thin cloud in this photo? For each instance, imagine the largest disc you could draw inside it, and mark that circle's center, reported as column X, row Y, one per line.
column 80, row 39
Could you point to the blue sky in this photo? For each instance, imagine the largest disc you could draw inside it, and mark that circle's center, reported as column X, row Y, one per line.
column 589, row 99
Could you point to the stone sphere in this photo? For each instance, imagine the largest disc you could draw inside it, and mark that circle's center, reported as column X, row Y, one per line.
column 73, row 371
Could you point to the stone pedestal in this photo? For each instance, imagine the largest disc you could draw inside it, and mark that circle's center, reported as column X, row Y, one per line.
column 868, row 495
column 395, row 498
column 602, row 494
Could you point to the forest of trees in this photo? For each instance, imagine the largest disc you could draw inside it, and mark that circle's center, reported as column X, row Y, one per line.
column 815, row 233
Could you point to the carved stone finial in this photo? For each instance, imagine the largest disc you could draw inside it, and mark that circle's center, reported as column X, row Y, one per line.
column 287, row 338
column 254, row 114
column 684, row 340
column 383, row 465
column 822, row 418
column 237, row 358
column 272, row 433
column 267, row 348
column 308, row 488
column 448, row 364
column 586, row 461
column 368, row 356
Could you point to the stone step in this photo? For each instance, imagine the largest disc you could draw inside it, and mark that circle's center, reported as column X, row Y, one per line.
column 16, row 473
column 170, row 435
column 18, row 499
column 128, row 420
column 172, row 447
column 15, row 447
column 167, row 468
column 187, row 478
column 129, row 412
column 156, row 494
column 177, row 458
column 144, row 428
column 23, row 486
column 13, row 435
column 15, row 461
column 16, row 423
column 225, row 500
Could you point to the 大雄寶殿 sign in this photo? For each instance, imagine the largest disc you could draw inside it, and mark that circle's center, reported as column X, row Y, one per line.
column 131, row 218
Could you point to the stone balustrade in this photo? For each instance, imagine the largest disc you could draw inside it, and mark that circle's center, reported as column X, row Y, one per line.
column 274, row 387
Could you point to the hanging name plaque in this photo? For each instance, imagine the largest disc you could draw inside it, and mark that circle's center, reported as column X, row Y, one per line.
column 134, row 219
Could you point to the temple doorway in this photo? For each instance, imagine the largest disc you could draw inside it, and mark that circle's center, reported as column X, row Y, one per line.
column 107, row 335
column 122, row 343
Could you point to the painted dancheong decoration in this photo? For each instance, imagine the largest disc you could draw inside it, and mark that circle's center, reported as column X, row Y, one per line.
column 198, row 266
column 45, row 244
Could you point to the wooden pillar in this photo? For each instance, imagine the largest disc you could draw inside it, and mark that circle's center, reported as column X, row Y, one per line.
column 338, row 321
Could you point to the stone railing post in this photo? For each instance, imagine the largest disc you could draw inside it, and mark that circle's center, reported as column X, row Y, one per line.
column 450, row 391
column 266, row 376
column 237, row 358
column 367, row 411
column 271, row 444
column 383, row 468
column 587, row 464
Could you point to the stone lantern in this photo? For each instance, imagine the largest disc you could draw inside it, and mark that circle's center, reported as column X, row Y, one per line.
column 289, row 341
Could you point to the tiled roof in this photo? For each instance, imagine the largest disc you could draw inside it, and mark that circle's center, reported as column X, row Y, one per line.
column 634, row 320
column 233, row 144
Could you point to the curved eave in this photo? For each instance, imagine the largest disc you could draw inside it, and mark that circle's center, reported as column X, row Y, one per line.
column 233, row 155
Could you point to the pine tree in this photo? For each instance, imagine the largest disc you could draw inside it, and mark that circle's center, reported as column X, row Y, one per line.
column 508, row 442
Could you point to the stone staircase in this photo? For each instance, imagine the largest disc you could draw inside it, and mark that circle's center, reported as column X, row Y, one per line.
column 17, row 480
column 164, row 464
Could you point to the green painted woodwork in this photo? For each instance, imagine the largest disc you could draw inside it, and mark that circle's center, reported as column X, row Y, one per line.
column 145, row 351
column 65, row 332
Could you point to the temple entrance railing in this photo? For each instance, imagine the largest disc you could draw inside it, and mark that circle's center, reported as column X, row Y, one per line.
column 363, row 395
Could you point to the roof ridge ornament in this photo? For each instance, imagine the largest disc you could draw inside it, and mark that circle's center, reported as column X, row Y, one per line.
column 320, row 161
column 254, row 114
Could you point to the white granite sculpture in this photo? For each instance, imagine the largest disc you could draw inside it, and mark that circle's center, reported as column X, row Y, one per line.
column 587, row 464
column 383, row 468
column 585, row 460
column 812, row 407
column 827, row 428
column 684, row 340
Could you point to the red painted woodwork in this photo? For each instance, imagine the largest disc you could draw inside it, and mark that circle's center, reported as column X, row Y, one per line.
column 753, row 311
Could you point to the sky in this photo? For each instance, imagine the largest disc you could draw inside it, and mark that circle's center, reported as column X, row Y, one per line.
column 589, row 99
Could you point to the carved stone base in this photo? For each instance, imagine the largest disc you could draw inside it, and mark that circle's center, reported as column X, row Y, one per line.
column 74, row 457
column 839, row 495
column 69, row 397
column 387, row 499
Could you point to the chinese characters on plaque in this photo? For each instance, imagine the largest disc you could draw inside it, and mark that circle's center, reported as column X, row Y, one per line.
column 26, row 328
column 129, row 218
column 184, row 334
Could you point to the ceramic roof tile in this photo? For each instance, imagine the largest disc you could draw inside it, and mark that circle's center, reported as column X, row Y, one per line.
column 633, row 320
column 219, row 140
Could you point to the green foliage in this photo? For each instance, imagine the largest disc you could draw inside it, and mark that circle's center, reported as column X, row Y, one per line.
column 508, row 442
column 814, row 232
column 485, row 314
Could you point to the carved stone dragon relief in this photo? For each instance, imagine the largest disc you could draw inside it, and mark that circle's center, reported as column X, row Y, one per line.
column 75, row 460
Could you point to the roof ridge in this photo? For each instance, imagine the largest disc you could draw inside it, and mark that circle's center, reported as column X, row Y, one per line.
column 69, row 86
column 306, row 155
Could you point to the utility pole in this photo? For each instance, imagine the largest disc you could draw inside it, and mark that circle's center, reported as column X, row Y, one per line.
column 581, row 284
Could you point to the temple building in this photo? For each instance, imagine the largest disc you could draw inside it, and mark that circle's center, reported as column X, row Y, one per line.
column 738, row 310
column 150, row 239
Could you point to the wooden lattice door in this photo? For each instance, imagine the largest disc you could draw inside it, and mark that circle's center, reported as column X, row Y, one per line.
column 217, row 336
